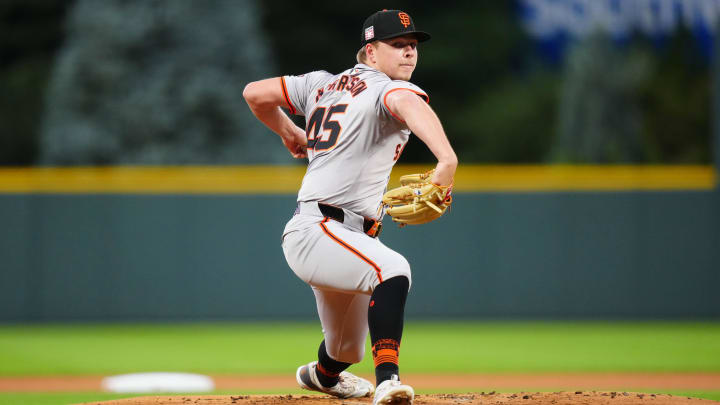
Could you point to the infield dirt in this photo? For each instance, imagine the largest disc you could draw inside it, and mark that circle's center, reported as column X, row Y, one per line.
column 453, row 383
column 575, row 389
column 524, row 398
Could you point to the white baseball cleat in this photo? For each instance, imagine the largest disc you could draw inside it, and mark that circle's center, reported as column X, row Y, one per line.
column 392, row 391
column 350, row 386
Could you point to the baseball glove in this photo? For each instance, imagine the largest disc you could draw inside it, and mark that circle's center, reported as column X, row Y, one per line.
column 417, row 200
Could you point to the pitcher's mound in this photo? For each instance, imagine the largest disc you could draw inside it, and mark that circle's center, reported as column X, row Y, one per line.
column 519, row 398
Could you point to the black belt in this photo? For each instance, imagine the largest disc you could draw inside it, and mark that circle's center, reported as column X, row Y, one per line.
column 370, row 226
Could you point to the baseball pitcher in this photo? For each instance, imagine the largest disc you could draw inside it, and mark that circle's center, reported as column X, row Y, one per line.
column 357, row 123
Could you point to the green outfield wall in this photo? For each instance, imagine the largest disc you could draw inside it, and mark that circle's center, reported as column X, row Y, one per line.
column 624, row 254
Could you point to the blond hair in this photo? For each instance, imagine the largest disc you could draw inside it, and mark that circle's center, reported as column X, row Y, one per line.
column 361, row 56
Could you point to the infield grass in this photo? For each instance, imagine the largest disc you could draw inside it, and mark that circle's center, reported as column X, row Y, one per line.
column 428, row 347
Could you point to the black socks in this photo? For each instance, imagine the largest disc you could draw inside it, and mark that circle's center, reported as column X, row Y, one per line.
column 385, row 319
column 328, row 370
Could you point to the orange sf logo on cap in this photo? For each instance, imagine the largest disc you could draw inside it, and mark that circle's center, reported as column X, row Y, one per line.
column 404, row 19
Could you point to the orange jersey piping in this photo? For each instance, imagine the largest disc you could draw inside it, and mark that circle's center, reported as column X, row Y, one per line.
column 422, row 95
column 285, row 94
column 350, row 248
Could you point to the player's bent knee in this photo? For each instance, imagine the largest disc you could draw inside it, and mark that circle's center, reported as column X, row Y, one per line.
column 347, row 352
column 351, row 354
column 400, row 269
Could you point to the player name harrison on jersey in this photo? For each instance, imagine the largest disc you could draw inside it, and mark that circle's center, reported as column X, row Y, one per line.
column 350, row 83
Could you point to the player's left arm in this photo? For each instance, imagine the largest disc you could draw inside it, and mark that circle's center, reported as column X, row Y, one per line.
column 265, row 97
column 425, row 124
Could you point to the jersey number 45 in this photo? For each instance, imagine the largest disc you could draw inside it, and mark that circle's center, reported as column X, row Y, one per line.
column 320, row 123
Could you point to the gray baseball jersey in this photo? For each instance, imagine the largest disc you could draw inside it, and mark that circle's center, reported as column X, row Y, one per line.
column 353, row 138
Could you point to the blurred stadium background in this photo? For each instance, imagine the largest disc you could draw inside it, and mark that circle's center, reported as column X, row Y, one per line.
column 524, row 81
column 135, row 184
column 586, row 131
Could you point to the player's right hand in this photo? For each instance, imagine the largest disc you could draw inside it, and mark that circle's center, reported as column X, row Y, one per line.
column 297, row 145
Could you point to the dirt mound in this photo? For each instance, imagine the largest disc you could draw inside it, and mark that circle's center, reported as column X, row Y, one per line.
column 648, row 382
column 519, row 398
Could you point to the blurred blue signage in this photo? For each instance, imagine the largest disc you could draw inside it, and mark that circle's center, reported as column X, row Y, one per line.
column 555, row 21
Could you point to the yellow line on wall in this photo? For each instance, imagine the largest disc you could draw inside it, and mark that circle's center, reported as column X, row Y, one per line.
column 153, row 180
column 287, row 179
column 586, row 178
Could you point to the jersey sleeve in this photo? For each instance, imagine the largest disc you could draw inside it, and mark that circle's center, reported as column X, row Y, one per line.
column 399, row 85
column 298, row 89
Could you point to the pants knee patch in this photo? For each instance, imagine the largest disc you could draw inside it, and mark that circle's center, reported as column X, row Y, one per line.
column 404, row 271
column 400, row 269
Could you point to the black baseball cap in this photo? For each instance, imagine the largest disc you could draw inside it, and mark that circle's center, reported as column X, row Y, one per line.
column 388, row 24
